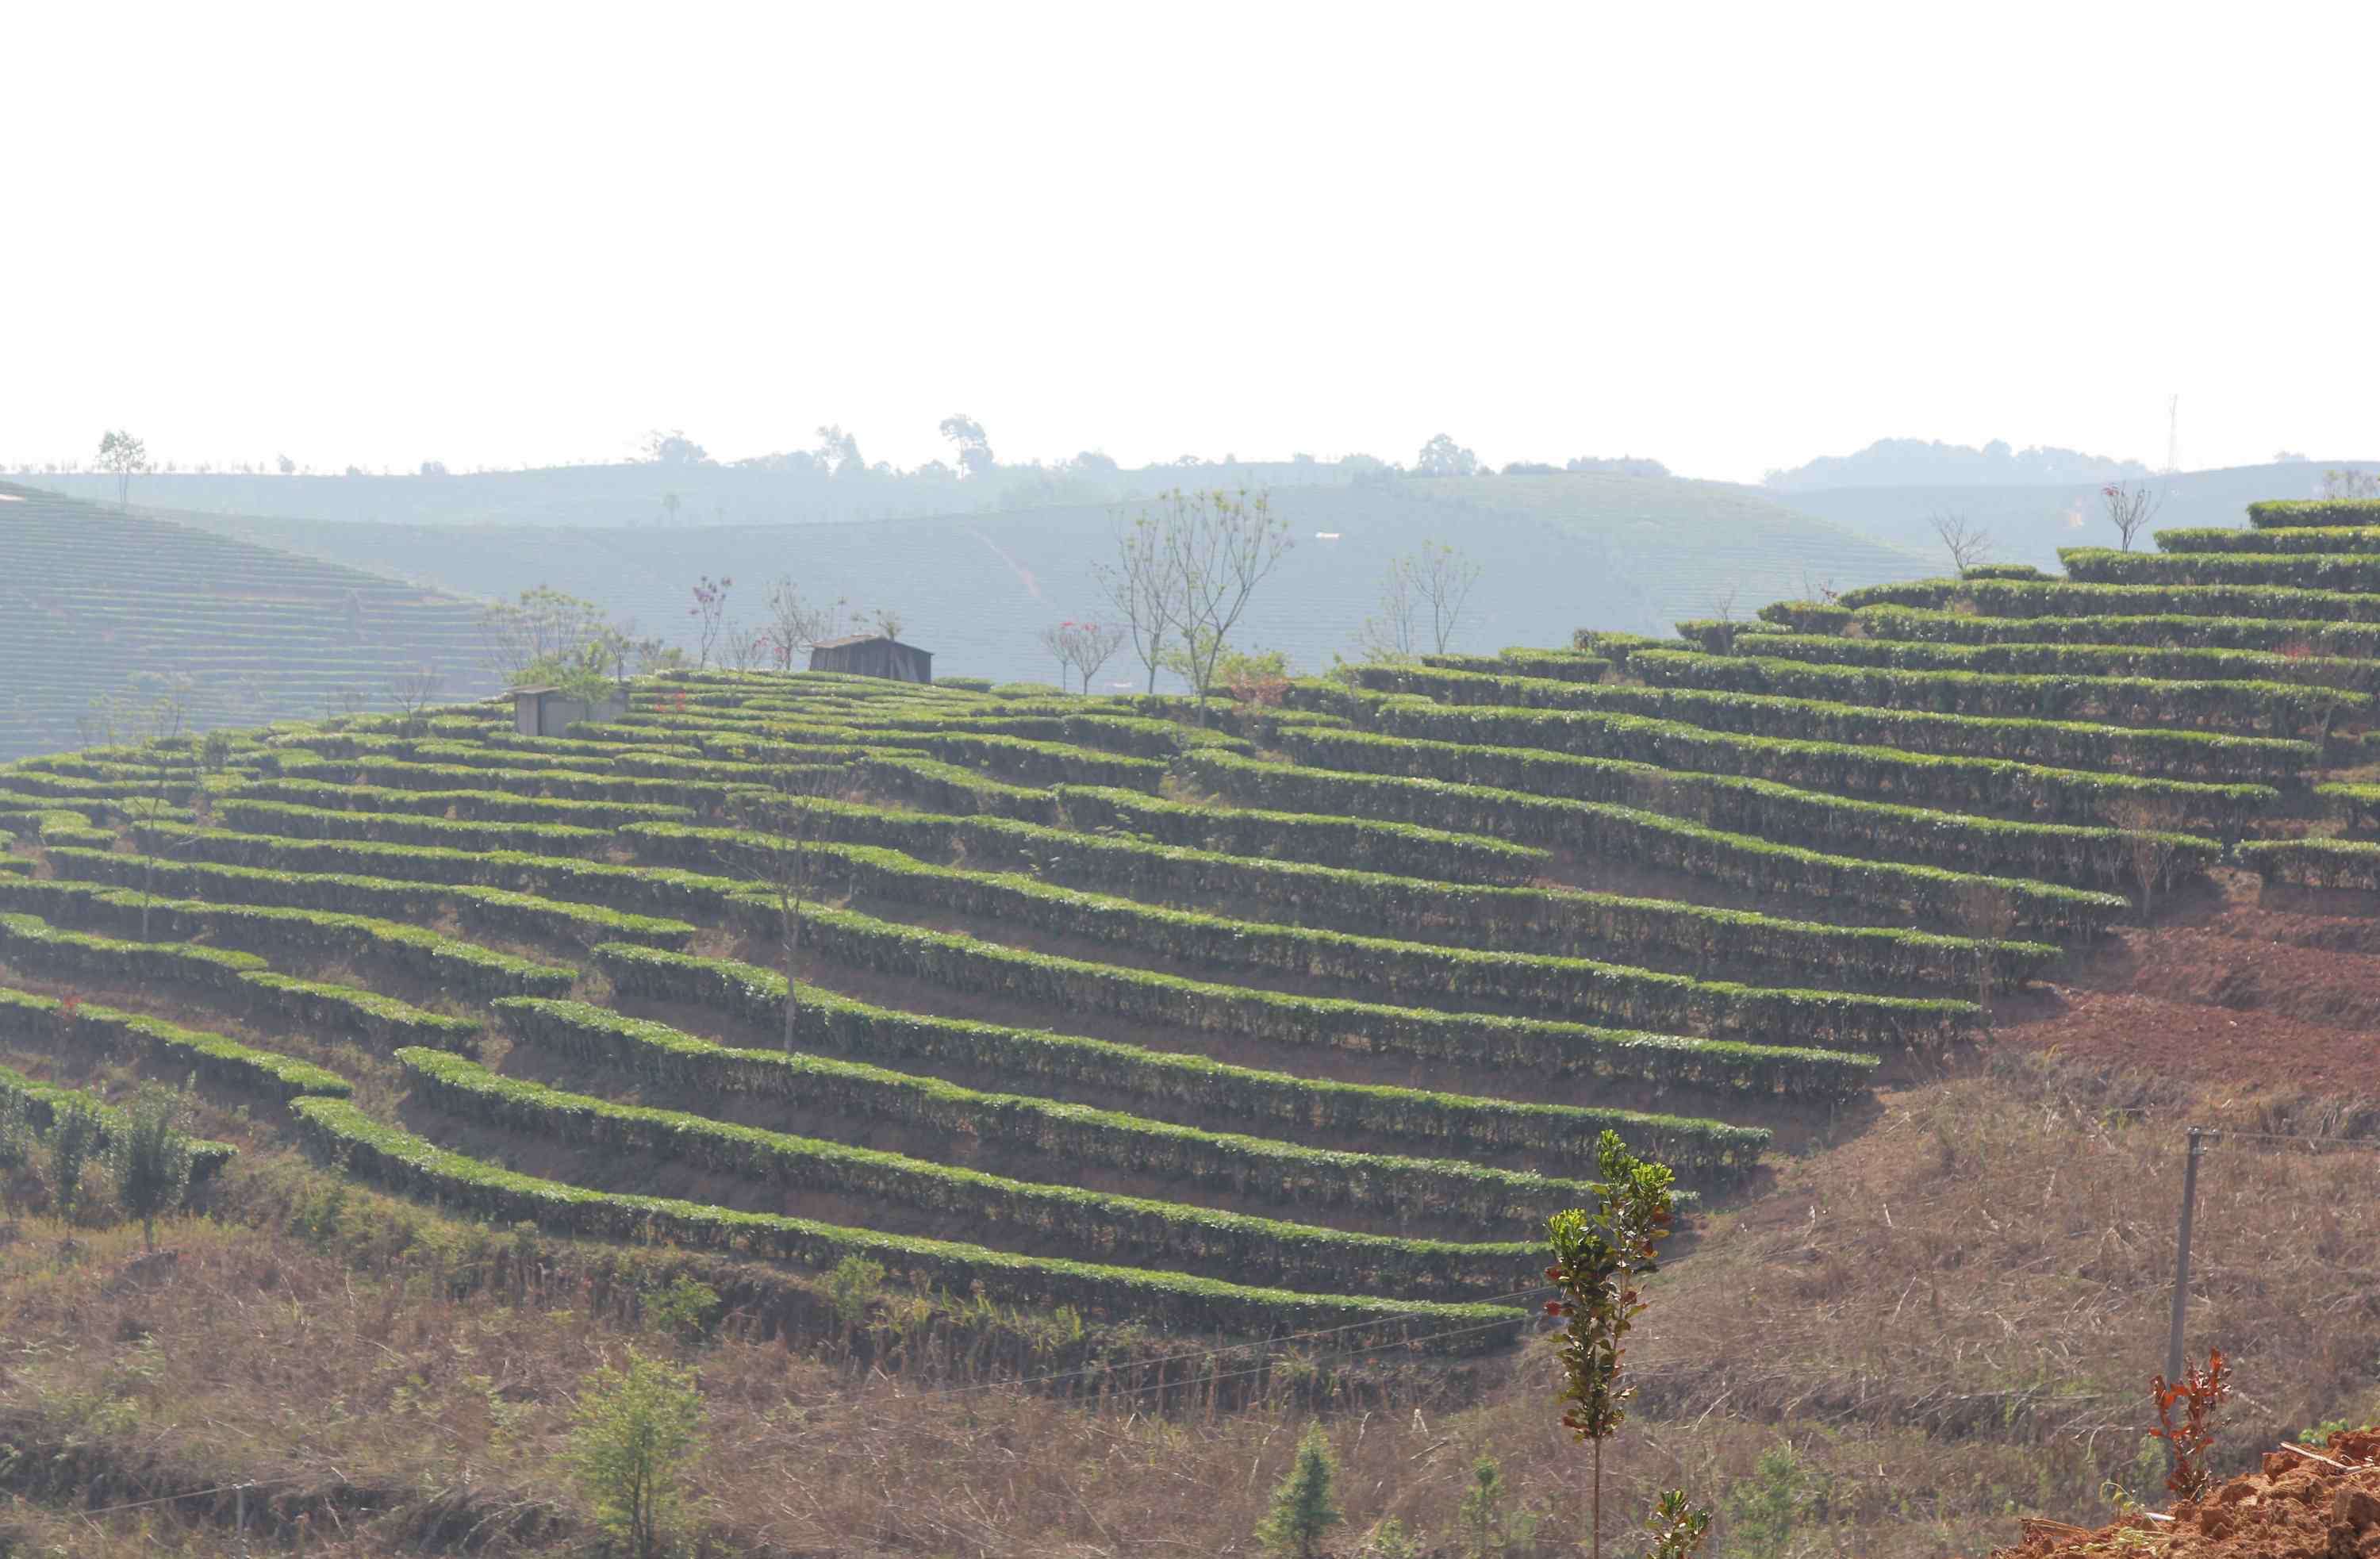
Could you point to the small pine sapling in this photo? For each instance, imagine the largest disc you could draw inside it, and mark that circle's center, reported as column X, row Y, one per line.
column 1303, row 1509
column 1677, row 1527
column 74, row 1143
column 151, row 1154
column 1598, row 1259
column 1487, row 1532
column 2198, row 1393
column 633, row 1437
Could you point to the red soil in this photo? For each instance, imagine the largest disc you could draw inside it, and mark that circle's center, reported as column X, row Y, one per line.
column 2301, row 1505
column 2233, row 989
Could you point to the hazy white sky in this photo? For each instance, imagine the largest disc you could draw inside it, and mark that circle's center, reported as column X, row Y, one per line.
column 1730, row 237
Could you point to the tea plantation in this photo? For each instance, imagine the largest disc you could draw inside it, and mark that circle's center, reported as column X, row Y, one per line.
column 1242, row 1019
column 99, row 610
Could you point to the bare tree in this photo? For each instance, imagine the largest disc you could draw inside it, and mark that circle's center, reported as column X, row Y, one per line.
column 776, row 846
column 1083, row 648
column 1141, row 582
column 1395, row 634
column 414, row 691
column 888, row 622
column 2345, row 484
column 743, row 648
column 1055, row 638
column 1442, row 577
column 1094, row 645
column 2150, row 846
column 794, row 623
column 709, row 609
column 1969, row 544
column 162, row 719
column 2130, row 506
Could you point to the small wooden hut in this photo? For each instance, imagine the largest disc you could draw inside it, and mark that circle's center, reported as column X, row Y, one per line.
column 872, row 654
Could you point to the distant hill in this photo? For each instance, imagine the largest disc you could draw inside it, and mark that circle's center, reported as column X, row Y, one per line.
column 1904, row 462
column 91, row 599
column 1623, row 552
column 2030, row 523
column 780, row 490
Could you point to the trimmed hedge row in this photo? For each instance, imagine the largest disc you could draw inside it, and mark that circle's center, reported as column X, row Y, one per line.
column 31, row 942
column 2357, row 572
column 2200, row 755
column 399, row 828
column 2316, row 863
column 2321, row 641
column 42, row 1100
column 2357, row 806
column 1408, row 971
column 1648, row 839
column 1561, row 666
column 2360, row 674
column 2283, row 513
column 946, row 787
column 2280, row 540
column 1164, row 1080
column 2239, row 708
column 468, row 806
column 339, row 1131
column 1560, row 921
column 2080, row 857
column 647, row 888
column 1399, row 850
column 551, row 795
column 352, row 1010
column 1041, row 764
column 35, row 947
column 2068, row 597
column 1537, row 1045
column 1136, row 1229
column 24, row 1015
column 461, row 969
column 491, row 912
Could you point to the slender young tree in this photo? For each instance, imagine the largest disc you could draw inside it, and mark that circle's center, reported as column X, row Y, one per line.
column 1599, row 1257
column 776, row 846
column 1224, row 545
column 127, row 457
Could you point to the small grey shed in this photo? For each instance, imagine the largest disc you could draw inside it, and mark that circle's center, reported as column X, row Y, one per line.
column 872, row 654
column 548, row 711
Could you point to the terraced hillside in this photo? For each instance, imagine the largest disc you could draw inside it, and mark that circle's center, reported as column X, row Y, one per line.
column 92, row 600
column 1243, row 1022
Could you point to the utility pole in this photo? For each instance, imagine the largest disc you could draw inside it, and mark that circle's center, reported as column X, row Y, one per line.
column 2173, row 433
column 2198, row 1139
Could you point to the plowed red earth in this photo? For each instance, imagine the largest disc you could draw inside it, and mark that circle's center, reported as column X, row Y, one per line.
column 2231, row 989
column 2299, row 1507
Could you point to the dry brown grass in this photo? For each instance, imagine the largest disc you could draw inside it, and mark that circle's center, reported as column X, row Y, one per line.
column 1950, row 1318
